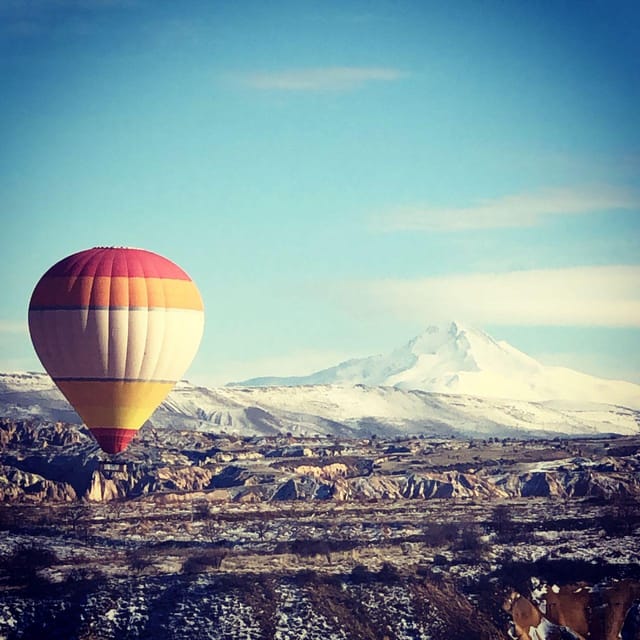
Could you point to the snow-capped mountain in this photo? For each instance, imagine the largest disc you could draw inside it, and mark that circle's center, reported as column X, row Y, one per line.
column 448, row 380
column 342, row 410
column 459, row 359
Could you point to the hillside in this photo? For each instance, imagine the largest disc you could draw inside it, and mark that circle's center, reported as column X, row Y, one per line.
column 350, row 411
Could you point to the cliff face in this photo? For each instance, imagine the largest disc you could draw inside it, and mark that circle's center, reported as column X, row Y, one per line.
column 17, row 485
column 104, row 489
column 22, row 486
column 49, row 462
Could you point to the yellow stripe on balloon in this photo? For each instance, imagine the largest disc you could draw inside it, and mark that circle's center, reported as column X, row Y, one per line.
column 125, row 404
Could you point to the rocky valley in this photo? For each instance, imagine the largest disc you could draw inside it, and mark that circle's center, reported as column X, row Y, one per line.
column 195, row 534
column 330, row 510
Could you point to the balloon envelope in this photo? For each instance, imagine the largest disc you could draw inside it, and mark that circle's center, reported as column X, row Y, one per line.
column 115, row 328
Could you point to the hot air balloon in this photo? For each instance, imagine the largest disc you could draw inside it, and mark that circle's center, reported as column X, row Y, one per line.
column 115, row 328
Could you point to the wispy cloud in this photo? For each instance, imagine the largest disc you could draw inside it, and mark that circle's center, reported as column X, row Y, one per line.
column 594, row 362
column 607, row 296
column 516, row 210
column 13, row 326
column 295, row 363
column 320, row 79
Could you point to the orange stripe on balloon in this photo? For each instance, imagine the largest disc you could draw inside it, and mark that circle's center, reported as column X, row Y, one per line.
column 103, row 291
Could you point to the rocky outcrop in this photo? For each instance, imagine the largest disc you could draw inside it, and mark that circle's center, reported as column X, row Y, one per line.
column 369, row 488
column 303, row 488
column 574, row 482
column 540, row 485
column 22, row 486
column 291, row 451
column 450, row 485
column 329, row 472
column 233, row 476
column 28, row 434
column 104, row 489
column 184, row 478
column 56, row 463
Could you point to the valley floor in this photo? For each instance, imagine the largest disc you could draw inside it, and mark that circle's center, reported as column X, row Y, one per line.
column 218, row 537
column 400, row 569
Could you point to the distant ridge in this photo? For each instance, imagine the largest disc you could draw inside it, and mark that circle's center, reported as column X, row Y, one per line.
column 459, row 359
column 337, row 410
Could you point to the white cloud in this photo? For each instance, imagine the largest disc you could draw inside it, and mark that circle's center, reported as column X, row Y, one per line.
column 295, row 363
column 12, row 326
column 607, row 296
column 601, row 364
column 320, row 79
column 516, row 210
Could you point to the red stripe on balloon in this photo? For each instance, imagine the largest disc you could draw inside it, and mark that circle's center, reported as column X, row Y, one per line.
column 117, row 261
column 112, row 439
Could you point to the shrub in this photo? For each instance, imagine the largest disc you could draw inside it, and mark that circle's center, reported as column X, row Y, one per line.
column 202, row 562
column 619, row 519
column 305, row 576
column 388, row 573
column 138, row 559
column 438, row 535
column 360, row 575
column 308, row 548
column 31, row 556
column 470, row 540
column 77, row 518
column 8, row 518
column 79, row 577
column 24, row 563
column 502, row 521
column 200, row 510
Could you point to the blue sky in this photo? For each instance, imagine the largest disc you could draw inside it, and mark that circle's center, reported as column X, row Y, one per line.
column 335, row 176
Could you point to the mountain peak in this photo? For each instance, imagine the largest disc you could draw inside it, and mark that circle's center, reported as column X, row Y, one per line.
column 460, row 359
column 458, row 345
column 435, row 335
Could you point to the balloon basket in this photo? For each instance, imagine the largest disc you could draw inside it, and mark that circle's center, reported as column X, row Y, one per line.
column 108, row 468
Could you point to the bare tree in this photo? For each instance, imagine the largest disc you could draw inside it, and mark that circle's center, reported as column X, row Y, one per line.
column 210, row 530
column 77, row 518
column 200, row 509
column 502, row 521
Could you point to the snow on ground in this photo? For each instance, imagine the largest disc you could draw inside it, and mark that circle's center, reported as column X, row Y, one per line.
column 298, row 619
column 308, row 408
column 386, row 404
column 398, row 613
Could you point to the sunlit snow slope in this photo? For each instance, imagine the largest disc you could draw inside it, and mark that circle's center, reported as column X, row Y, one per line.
column 343, row 410
column 452, row 380
column 462, row 360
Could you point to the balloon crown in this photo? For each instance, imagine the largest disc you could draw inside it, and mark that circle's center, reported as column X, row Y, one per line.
column 118, row 247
